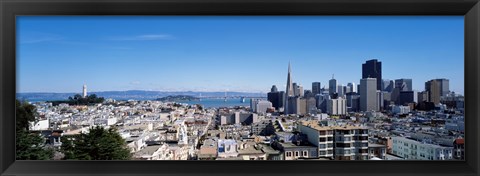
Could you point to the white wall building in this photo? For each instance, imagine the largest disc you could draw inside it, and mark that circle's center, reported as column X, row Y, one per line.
column 337, row 106
column 413, row 150
column 40, row 125
column 227, row 148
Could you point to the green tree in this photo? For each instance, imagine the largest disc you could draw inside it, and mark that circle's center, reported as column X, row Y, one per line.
column 98, row 144
column 29, row 146
column 25, row 113
column 32, row 147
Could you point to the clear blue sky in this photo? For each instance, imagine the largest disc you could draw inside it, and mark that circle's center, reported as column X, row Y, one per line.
column 60, row 54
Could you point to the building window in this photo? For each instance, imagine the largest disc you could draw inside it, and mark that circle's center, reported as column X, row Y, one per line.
column 297, row 153
column 305, row 153
column 289, row 154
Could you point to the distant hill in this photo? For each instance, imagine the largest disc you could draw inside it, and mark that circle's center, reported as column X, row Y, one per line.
column 132, row 94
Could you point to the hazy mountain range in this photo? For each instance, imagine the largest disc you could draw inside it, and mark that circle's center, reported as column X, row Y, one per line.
column 132, row 94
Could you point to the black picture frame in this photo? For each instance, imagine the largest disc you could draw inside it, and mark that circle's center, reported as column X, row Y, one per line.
column 11, row 8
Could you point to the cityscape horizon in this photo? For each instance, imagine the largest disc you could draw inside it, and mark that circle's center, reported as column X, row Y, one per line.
column 227, row 88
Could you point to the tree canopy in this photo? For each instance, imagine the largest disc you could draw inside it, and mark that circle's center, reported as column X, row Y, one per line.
column 97, row 144
column 29, row 146
column 77, row 99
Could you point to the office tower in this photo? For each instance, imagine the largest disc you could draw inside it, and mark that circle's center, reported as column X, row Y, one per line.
column 349, row 96
column 340, row 90
column 406, row 97
column 84, row 90
column 311, row 105
column 288, row 91
column 253, row 104
column 322, row 101
column 274, row 89
column 373, row 69
column 444, row 86
column 308, row 93
column 347, row 89
column 353, row 87
column 380, row 101
column 262, row 106
column 388, row 85
column 298, row 105
column 387, row 99
column 403, row 84
column 433, row 88
column 337, row 106
column 276, row 97
column 368, row 94
column 316, row 86
column 332, row 86
column 299, row 91
column 281, row 100
column 422, row 96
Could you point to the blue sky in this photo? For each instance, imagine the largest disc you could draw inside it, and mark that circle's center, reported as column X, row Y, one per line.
column 60, row 54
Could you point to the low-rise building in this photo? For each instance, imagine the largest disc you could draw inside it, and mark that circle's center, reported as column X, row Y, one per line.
column 410, row 149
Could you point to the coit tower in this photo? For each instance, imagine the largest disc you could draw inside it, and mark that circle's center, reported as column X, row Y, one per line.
column 84, row 90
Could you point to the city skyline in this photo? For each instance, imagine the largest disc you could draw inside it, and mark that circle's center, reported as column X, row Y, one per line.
column 245, row 54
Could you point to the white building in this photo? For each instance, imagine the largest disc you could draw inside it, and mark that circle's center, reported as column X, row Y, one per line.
column 262, row 106
column 40, row 125
column 337, row 106
column 410, row 149
column 227, row 148
column 259, row 105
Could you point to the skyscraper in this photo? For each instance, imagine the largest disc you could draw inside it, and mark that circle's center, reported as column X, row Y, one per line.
column 368, row 94
column 373, row 69
column 353, row 87
column 274, row 89
column 84, row 90
column 276, row 97
column 388, row 85
column 332, row 86
column 316, row 86
column 403, row 84
column 444, row 86
column 340, row 90
column 433, row 88
column 288, row 91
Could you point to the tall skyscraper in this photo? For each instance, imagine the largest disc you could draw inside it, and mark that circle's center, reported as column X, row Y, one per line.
column 84, row 90
column 444, row 86
column 274, row 89
column 298, row 90
column 340, row 90
column 368, row 94
column 403, row 84
column 276, row 97
column 316, row 88
column 332, row 86
column 388, row 85
column 288, row 91
column 373, row 69
column 353, row 87
column 433, row 88
column 337, row 106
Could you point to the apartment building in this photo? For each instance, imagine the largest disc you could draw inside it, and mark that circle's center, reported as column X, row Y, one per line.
column 410, row 149
column 338, row 142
